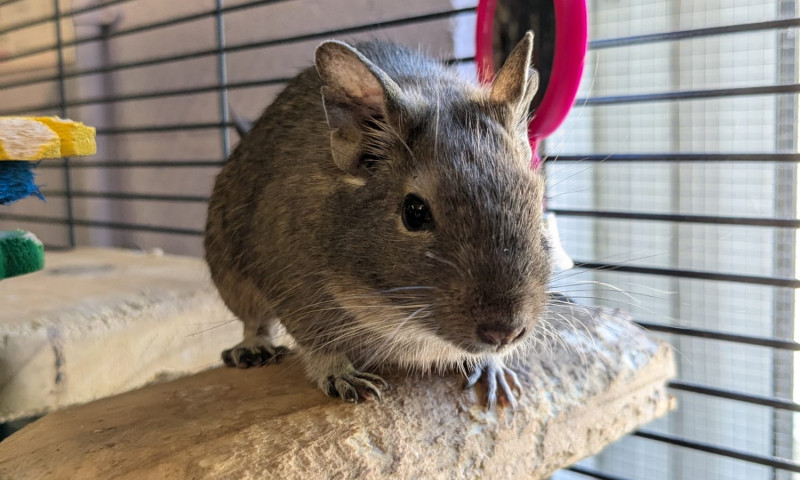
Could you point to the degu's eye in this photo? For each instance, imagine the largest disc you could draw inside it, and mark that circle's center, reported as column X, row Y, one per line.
column 416, row 214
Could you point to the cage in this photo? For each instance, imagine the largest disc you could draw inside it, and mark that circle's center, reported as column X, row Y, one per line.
column 674, row 178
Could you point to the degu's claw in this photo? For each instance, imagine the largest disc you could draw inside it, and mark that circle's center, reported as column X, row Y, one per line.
column 474, row 376
column 374, row 379
column 514, row 379
column 506, row 390
column 375, row 393
column 495, row 373
column 491, row 392
column 356, row 386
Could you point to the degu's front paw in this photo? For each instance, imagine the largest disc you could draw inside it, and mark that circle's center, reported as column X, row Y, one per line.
column 353, row 386
column 496, row 374
column 252, row 354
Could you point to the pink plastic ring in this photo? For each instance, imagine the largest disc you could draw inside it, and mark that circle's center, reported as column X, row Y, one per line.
column 568, row 61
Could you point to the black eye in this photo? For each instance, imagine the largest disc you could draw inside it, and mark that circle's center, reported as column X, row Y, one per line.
column 416, row 214
column 369, row 160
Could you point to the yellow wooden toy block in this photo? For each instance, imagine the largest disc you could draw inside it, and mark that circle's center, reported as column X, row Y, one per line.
column 37, row 138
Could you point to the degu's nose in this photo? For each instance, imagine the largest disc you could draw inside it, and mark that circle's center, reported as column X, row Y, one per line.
column 500, row 336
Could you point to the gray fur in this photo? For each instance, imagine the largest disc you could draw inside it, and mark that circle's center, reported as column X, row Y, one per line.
column 303, row 229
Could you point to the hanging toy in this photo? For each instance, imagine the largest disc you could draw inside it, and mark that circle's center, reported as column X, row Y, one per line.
column 24, row 141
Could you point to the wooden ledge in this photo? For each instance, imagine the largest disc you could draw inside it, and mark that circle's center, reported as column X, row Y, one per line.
column 602, row 382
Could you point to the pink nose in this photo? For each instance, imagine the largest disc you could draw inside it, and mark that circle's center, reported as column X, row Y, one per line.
column 500, row 336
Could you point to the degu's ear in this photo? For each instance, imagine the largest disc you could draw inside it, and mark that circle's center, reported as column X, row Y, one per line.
column 356, row 92
column 516, row 82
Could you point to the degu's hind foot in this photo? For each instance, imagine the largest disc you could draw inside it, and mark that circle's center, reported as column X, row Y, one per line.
column 254, row 352
column 497, row 374
column 336, row 377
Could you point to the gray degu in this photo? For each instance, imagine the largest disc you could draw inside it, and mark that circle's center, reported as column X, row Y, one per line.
column 383, row 210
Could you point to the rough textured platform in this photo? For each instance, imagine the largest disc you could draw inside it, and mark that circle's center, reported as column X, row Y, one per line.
column 600, row 382
column 98, row 322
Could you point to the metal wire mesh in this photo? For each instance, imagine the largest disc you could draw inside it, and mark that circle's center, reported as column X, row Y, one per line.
column 675, row 180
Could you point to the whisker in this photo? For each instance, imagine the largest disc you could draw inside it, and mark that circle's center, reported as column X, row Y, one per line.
column 219, row 324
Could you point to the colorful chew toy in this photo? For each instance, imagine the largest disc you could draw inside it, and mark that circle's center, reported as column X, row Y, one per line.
column 20, row 252
column 23, row 142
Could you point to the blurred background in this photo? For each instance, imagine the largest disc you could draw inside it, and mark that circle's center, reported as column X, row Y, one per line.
column 674, row 178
